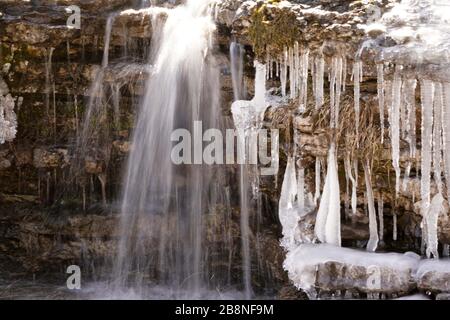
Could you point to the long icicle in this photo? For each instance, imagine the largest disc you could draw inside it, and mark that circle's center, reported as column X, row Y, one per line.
column 395, row 126
column 409, row 100
column 381, row 216
column 427, row 93
column 328, row 219
column 381, row 86
column 437, row 136
column 373, row 240
column 357, row 93
column 446, row 134
column 319, row 76
column 349, row 169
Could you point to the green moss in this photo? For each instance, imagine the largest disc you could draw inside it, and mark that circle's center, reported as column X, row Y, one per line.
column 270, row 35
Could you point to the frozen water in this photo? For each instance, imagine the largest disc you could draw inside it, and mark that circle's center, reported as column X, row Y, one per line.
column 8, row 119
column 328, row 219
column 373, row 240
column 427, row 90
column 303, row 262
column 288, row 205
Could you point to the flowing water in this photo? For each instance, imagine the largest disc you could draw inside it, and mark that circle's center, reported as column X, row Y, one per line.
column 168, row 211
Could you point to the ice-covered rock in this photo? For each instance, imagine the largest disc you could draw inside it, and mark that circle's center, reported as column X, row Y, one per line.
column 434, row 275
column 328, row 268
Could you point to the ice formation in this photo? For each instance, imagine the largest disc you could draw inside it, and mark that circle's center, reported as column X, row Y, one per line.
column 409, row 103
column 248, row 115
column 301, row 188
column 420, row 55
column 427, row 93
column 357, row 79
column 352, row 172
column 380, row 87
column 288, row 206
column 430, row 225
column 436, row 271
column 318, row 80
column 336, row 80
column 419, row 58
column 437, row 136
column 328, row 219
column 8, row 118
column 394, row 227
column 395, row 270
column 446, row 134
column 381, row 217
column 394, row 120
column 373, row 240
column 317, row 180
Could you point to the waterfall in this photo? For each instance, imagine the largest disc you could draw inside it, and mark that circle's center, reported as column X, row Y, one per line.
column 165, row 207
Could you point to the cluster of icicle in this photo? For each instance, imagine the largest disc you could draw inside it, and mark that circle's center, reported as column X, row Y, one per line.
column 295, row 65
column 8, row 119
column 400, row 96
column 397, row 96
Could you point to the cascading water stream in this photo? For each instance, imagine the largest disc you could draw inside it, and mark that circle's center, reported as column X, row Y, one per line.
column 165, row 207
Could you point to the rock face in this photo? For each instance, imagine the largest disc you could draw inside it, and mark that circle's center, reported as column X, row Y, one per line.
column 45, row 242
column 50, row 70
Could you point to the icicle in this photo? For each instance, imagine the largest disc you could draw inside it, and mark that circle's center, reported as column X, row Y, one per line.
column 304, row 80
column 357, row 92
column 431, row 222
column 277, row 66
column 395, row 126
column 260, row 86
column 446, row 134
column 335, row 91
column 328, row 219
column 296, row 70
column 427, row 92
column 354, row 195
column 275, row 159
column 317, row 181
column 292, row 73
column 381, row 86
column 319, row 79
column 373, row 240
column 344, row 79
column 354, row 184
column 288, row 216
column 337, row 101
column 284, row 72
column 409, row 99
column 394, row 227
column 312, row 68
column 380, row 216
column 301, row 188
column 437, row 136
column 347, row 191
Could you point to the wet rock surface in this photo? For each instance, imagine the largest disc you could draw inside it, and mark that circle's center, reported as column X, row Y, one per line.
column 40, row 167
